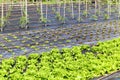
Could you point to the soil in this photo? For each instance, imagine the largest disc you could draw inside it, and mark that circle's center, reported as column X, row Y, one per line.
column 15, row 41
column 34, row 16
column 112, row 76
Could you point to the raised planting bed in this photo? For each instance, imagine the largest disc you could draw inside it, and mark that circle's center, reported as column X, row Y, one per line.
column 57, row 14
column 46, row 38
column 77, row 63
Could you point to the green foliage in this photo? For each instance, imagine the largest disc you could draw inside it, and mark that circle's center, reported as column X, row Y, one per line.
column 34, row 56
column 59, row 17
column 94, row 17
column 85, row 13
column 106, row 16
column 21, row 58
column 2, row 22
column 77, row 63
column 23, row 21
column 79, row 19
column 8, row 61
column 43, row 19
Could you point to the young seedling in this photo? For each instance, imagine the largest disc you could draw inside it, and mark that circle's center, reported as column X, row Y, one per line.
column 24, row 18
column 42, row 18
column 96, row 7
column 46, row 10
column 38, row 7
column 106, row 16
column 79, row 11
column 86, row 7
column 2, row 18
column 118, row 8
column 72, row 8
column 64, row 15
column 94, row 17
column 99, row 7
column 109, row 7
column 58, row 5
column 59, row 17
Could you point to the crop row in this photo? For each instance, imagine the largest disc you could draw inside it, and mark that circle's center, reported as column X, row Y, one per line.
column 77, row 63
column 22, row 13
column 43, row 39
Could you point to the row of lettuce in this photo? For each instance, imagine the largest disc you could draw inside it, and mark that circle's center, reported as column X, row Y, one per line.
column 76, row 63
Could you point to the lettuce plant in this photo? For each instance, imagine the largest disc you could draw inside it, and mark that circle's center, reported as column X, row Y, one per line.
column 67, row 63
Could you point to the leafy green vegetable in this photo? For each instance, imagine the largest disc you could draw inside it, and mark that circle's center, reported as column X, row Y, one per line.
column 76, row 63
